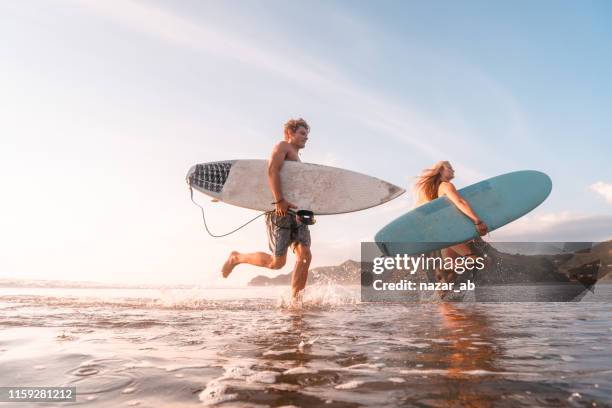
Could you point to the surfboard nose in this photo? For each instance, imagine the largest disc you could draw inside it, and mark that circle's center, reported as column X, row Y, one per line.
column 394, row 192
column 532, row 182
column 545, row 181
column 209, row 176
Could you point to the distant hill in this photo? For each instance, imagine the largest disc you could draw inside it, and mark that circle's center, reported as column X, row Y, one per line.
column 347, row 273
column 586, row 268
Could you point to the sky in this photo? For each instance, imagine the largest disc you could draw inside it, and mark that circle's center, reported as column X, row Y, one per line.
column 104, row 106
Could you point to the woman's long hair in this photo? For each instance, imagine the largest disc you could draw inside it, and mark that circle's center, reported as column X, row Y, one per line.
column 428, row 182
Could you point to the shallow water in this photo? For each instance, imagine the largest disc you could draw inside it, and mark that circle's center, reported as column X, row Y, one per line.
column 244, row 347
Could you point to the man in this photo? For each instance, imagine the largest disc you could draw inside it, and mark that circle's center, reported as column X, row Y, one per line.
column 283, row 228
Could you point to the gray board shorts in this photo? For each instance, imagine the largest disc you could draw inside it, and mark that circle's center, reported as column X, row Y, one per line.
column 284, row 232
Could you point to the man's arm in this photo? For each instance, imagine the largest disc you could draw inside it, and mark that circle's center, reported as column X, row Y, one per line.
column 463, row 205
column 279, row 153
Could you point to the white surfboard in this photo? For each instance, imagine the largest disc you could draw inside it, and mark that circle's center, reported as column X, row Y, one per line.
column 320, row 189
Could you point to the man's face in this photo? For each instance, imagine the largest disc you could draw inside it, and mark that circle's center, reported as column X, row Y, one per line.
column 299, row 137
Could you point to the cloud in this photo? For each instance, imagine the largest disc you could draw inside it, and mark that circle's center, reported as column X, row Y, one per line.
column 377, row 112
column 180, row 31
column 562, row 226
column 604, row 189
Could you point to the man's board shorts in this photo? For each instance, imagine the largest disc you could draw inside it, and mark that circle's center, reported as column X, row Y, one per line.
column 284, row 232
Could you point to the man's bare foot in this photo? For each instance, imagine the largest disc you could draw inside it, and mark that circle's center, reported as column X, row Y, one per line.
column 297, row 300
column 228, row 266
column 294, row 305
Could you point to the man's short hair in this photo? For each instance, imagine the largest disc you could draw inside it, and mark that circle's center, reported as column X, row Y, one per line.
column 292, row 125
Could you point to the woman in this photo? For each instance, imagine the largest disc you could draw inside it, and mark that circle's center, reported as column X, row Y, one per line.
column 436, row 182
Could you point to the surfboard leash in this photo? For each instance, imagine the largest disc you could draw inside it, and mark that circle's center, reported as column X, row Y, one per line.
column 226, row 234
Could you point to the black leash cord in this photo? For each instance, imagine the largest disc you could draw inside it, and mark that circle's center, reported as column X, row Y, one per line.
column 229, row 233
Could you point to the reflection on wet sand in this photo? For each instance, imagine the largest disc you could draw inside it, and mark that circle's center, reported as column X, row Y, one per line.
column 253, row 353
column 472, row 352
column 471, row 340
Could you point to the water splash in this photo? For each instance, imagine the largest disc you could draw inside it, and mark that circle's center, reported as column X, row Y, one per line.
column 320, row 297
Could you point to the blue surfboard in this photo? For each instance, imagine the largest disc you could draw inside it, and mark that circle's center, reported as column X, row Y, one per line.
column 439, row 224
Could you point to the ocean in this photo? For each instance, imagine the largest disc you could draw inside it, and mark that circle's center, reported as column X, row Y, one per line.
column 245, row 347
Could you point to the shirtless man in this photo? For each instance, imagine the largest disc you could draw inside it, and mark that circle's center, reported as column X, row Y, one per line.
column 283, row 228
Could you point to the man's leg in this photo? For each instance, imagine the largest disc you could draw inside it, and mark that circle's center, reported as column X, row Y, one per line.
column 256, row 258
column 279, row 238
column 300, row 272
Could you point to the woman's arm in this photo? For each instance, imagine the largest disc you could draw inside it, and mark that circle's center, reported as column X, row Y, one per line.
column 461, row 203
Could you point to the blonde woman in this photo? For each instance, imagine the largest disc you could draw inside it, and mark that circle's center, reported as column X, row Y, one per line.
column 436, row 182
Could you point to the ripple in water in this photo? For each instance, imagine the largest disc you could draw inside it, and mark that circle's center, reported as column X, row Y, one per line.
column 96, row 384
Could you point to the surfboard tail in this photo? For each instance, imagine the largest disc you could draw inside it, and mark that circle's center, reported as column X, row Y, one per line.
column 209, row 178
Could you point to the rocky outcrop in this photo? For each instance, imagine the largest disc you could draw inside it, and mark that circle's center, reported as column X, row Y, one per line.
column 347, row 273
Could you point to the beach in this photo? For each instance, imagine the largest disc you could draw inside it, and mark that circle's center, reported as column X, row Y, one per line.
column 243, row 347
column 431, row 180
